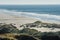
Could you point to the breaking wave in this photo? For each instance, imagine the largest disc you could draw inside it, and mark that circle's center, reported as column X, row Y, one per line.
column 44, row 17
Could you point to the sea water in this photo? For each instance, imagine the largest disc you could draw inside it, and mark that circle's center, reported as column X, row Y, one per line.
column 42, row 12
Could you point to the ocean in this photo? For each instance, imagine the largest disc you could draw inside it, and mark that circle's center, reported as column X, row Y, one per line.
column 41, row 12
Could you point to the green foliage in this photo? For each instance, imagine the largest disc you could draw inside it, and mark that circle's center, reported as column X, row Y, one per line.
column 8, row 28
column 38, row 22
column 28, row 31
column 26, row 37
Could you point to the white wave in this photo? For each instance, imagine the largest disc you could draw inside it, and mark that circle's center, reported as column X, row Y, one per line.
column 45, row 17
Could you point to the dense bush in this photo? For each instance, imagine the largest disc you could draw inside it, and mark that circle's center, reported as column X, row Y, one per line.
column 28, row 31
column 38, row 22
column 26, row 37
column 50, row 36
column 8, row 28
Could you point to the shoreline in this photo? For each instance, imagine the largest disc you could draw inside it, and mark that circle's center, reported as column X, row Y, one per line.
column 6, row 18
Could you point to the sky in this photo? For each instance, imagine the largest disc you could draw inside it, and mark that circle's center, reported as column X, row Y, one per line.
column 35, row 2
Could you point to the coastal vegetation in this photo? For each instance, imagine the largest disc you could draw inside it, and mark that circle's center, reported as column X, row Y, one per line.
column 41, row 24
column 10, row 32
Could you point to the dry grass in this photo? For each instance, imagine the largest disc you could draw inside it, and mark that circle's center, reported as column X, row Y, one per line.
column 11, row 36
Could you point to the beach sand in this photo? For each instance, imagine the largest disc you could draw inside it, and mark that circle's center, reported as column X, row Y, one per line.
column 19, row 20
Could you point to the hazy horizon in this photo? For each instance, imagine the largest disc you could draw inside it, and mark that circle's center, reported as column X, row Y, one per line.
column 29, row 2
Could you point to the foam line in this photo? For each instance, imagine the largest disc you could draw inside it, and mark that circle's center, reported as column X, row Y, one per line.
column 33, row 15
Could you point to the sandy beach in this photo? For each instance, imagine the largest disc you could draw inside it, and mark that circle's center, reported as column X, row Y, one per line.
column 19, row 20
column 5, row 18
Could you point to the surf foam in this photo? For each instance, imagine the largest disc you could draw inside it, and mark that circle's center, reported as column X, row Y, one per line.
column 43, row 17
